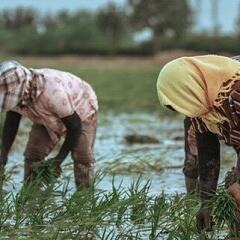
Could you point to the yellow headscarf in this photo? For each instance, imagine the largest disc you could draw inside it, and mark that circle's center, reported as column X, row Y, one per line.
column 193, row 86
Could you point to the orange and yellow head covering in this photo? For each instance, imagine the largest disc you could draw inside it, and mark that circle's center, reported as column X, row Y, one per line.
column 193, row 86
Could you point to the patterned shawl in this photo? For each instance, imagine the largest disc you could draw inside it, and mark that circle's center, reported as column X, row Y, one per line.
column 18, row 85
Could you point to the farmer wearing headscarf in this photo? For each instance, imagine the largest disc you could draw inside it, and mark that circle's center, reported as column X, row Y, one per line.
column 206, row 89
column 60, row 105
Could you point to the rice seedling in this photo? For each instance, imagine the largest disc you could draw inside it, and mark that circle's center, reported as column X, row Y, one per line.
column 53, row 211
column 226, row 212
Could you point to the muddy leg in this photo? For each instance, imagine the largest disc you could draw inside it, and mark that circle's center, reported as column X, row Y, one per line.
column 190, row 169
column 233, row 176
column 38, row 147
column 82, row 155
column 191, row 184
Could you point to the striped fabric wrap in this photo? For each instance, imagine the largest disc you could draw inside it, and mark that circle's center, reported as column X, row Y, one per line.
column 18, row 85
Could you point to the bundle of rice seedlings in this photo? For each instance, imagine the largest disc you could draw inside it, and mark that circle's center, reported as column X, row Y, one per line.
column 46, row 172
column 226, row 211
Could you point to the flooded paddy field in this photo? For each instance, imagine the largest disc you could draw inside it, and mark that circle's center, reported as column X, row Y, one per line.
column 138, row 194
column 160, row 162
column 139, row 191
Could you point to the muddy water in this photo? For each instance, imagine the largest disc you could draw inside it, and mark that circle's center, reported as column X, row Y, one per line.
column 165, row 158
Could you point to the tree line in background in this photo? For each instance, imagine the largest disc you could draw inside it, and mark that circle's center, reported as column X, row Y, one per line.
column 110, row 30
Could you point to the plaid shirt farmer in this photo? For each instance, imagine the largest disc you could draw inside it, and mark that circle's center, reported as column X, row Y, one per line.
column 18, row 85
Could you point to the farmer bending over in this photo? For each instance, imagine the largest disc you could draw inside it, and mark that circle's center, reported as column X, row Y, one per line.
column 59, row 104
column 206, row 89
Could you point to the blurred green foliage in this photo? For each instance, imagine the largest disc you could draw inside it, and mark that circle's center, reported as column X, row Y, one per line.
column 76, row 32
column 113, row 23
column 109, row 30
column 165, row 18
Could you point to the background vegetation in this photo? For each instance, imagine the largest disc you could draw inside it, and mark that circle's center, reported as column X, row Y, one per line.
column 110, row 30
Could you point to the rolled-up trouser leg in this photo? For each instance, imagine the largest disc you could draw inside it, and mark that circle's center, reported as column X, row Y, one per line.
column 38, row 147
column 191, row 169
column 82, row 154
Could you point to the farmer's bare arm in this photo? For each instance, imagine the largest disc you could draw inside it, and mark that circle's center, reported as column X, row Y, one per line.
column 73, row 124
column 10, row 129
column 209, row 166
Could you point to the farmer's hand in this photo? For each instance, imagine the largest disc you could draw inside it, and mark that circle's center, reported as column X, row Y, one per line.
column 2, row 167
column 55, row 165
column 234, row 190
column 2, row 175
column 204, row 220
column 48, row 170
column 3, row 160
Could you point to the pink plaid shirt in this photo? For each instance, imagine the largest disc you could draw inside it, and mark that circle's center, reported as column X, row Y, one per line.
column 63, row 94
